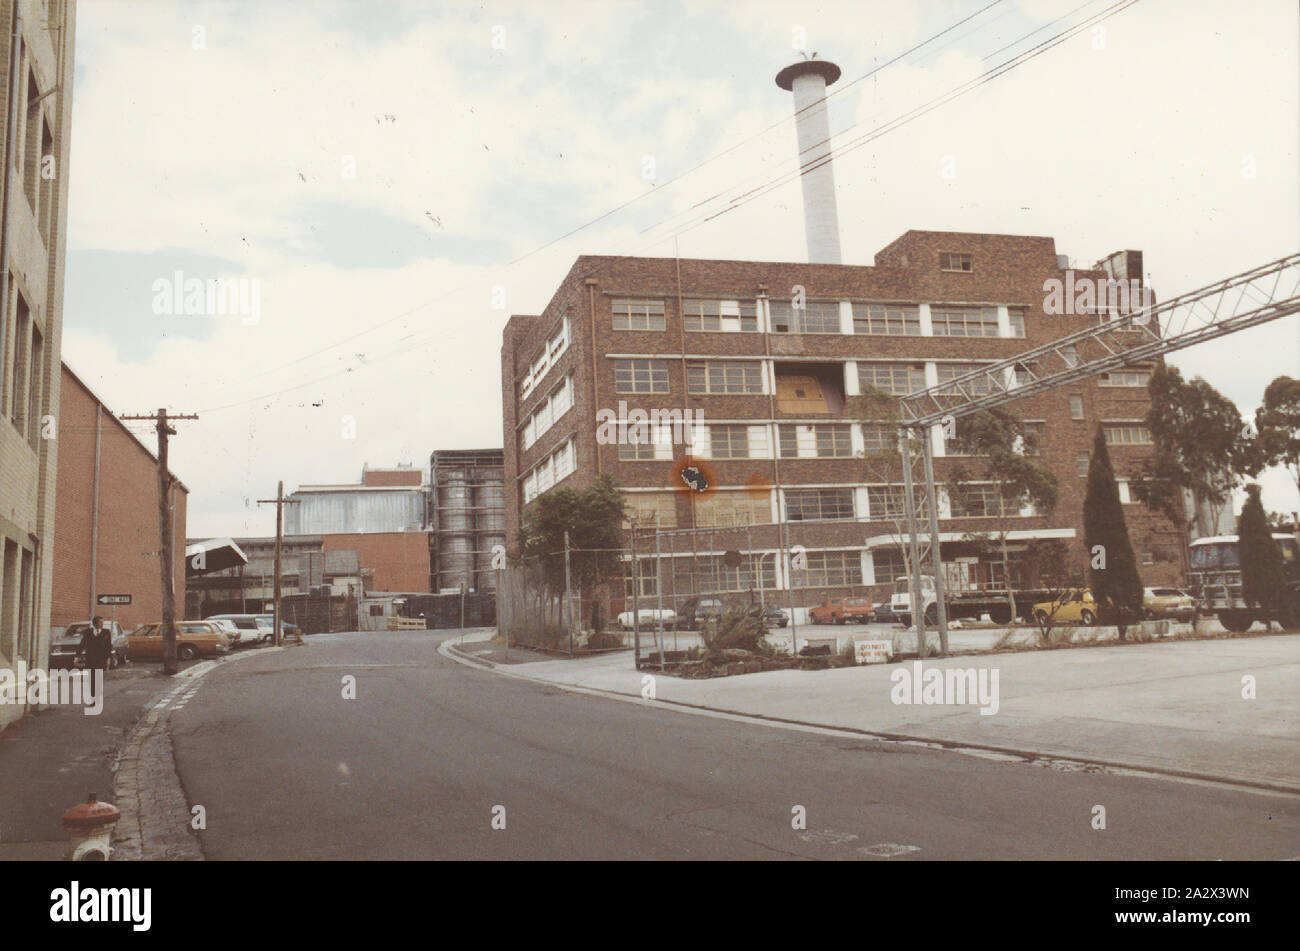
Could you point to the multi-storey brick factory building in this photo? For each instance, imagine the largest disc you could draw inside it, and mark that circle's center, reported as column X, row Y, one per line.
column 782, row 438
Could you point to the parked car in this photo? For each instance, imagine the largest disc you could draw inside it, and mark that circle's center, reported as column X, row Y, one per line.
column 886, row 614
column 237, row 637
column 286, row 627
column 840, row 610
column 193, row 639
column 648, row 618
column 775, row 617
column 63, row 649
column 1075, row 604
column 696, row 611
column 250, row 627
column 1168, row 602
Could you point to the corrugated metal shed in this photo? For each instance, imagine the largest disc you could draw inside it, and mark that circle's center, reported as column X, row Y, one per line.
column 346, row 511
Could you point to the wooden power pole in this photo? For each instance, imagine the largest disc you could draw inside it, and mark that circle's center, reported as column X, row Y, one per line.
column 165, row 550
column 279, row 502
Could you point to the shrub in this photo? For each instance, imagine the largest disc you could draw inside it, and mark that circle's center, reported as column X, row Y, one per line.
column 604, row 640
column 739, row 628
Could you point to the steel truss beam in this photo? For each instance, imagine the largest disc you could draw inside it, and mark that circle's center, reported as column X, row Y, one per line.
column 1244, row 300
column 1235, row 303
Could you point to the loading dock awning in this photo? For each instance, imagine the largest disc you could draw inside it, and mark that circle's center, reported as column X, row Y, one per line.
column 1023, row 534
column 218, row 554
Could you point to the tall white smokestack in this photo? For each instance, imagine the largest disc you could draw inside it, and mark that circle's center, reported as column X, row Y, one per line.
column 808, row 81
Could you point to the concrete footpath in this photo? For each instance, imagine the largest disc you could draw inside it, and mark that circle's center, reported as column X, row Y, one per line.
column 55, row 757
column 1173, row 707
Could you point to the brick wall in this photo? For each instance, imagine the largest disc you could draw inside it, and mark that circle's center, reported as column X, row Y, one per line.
column 399, row 560
column 1007, row 270
column 389, row 477
column 123, row 561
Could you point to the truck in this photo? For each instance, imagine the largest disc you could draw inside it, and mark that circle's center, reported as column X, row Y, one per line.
column 1214, row 580
column 962, row 604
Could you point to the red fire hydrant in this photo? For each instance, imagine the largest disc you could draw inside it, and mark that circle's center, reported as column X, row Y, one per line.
column 90, row 827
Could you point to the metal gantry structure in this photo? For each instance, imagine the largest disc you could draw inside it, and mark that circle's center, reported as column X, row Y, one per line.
column 1248, row 299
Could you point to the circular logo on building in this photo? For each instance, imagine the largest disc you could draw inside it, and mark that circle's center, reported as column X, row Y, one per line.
column 693, row 475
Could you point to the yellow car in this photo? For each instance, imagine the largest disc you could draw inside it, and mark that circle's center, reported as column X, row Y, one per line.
column 193, row 638
column 1168, row 602
column 1075, row 605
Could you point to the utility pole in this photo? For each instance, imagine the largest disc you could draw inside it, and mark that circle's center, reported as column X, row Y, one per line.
column 659, row 591
column 635, row 567
column 568, row 594
column 165, row 554
column 789, row 587
column 279, row 502
column 502, row 612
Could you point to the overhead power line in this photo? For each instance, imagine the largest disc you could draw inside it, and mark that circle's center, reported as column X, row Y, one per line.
column 659, row 188
column 423, row 341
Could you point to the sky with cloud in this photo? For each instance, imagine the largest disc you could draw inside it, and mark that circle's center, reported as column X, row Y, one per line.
column 378, row 168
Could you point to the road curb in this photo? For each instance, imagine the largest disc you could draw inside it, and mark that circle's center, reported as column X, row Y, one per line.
column 155, row 820
column 1036, row 757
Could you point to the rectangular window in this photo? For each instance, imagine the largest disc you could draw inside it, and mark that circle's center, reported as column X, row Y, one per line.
column 729, row 442
column 1081, row 464
column 896, row 379
column 823, row 440
column 724, row 376
column 888, row 565
column 1105, row 316
column 826, row 569
column 886, row 501
column 978, row 501
column 1125, row 378
column 879, row 437
column 964, row 321
column 813, row 505
column 556, row 345
column 1017, row 317
column 638, row 314
column 834, row 440
column 641, row 376
column 34, row 387
column 21, row 372
column 640, row 508
column 947, row 372
column 714, row 576
column 897, row 320
column 1076, row 406
column 814, row 317
column 954, row 262
column 1032, row 442
column 550, row 470
column 640, row 446
column 719, row 315
column 645, row 569
column 1127, row 435
column 715, row 509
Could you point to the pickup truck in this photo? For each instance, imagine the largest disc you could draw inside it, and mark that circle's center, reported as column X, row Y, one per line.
column 840, row 610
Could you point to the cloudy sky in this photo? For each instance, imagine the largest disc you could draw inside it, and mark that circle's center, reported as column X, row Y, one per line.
column 375, row 170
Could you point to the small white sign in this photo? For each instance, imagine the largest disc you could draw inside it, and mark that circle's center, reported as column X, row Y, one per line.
column 873, row 652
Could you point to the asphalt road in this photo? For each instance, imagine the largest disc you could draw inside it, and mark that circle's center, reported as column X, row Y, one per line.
column 413, row 768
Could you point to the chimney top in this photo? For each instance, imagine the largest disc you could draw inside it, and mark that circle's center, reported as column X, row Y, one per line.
column 786, row 77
